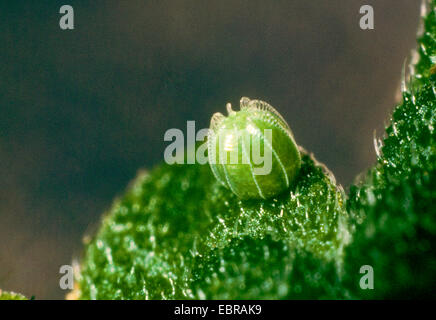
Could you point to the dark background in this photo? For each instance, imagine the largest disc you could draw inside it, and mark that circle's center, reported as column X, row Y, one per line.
column 82, row 110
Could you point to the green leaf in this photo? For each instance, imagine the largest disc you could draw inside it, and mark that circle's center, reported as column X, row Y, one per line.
column 178, row 233
column 11, row 296
column 394, row 206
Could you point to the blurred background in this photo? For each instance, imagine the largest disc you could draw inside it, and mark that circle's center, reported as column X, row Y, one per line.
column 82, row 110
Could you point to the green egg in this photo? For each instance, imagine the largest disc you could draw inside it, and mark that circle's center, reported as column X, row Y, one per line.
column 252, row 151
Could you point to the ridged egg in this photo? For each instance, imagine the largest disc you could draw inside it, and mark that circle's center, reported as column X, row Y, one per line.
column 252, row 151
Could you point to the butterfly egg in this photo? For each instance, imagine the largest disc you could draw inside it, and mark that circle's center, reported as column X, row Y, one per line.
column 252, row 151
